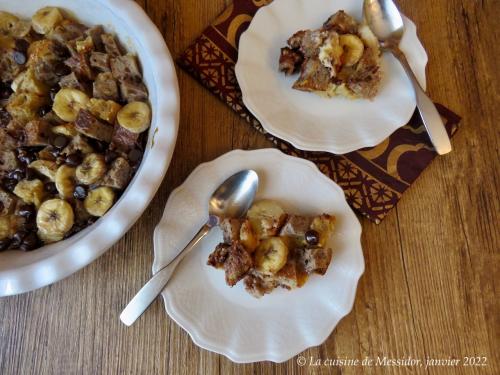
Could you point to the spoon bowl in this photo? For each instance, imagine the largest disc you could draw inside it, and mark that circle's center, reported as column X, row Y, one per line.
column 384, row 20
column 231, row 199
column 234, row 196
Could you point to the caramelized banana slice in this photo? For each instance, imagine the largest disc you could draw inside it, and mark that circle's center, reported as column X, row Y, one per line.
column 99, row 201
column 104, row 109
column 54, row 219
column 46, row 168
column 271, row 255
column 247, row 237
column 65, row 181
column 7, row 22
column 135, row 117
column 324, row 225
column 91, row 170
column 353, row 49
column 68, row 102
column 30, row 191
column 266, row 218
column 65, row 129
column 46, row 19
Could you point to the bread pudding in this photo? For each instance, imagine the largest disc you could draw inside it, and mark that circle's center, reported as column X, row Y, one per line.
column 270, row 248
column 340, row 58
column 73, row 118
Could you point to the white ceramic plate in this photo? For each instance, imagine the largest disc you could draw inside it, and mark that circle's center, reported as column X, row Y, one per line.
column 228, row 320
column 306, row 120
column 20, row 271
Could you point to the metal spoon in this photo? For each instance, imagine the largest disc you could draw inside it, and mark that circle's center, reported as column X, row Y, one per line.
column 232, row 199
column 385, row 21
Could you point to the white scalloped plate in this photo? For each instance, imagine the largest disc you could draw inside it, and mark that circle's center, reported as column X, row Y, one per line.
column 228, row 320
column 306, row 120
column 21, row 272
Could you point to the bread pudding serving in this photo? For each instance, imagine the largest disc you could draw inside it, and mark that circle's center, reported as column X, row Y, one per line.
column 270, row 248
column 73, row 118
column 340, row 58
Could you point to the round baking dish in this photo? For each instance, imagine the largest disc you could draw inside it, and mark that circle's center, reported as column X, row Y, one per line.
column 24, row 271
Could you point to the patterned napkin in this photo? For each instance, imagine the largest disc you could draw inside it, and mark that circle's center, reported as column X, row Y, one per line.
column 373, row 179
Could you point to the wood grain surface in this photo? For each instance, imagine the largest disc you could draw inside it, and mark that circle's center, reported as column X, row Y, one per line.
column 432, row 267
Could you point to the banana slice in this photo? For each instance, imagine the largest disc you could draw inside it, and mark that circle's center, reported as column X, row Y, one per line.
column 104, row 109
column 46, row 168
column 99, row 201
column 247, row 236
column 24, row 106
column 271, row 255
column 68, row 102
column 135, row 117
column 21, row 29
column 46, row 19
column 353, row 49
column 324, row 225
column 7, row 22
column 54, row 219
column 30, row 191
column 65, row 181
column 92, row 169
column 266, row 217
column 78, row 143
column 66, row 129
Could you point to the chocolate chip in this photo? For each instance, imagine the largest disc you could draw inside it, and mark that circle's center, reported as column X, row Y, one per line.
column 312, row 237
column 25, row 156
column 30, row 242
column 80, row 192
column 60, row 141
column 53, row 92
column 30, row 226
column 4, row 244
column 55, row 152
column 27, row 211
column 97, row 145
column 4, row 116
column 19, row 57
column 9, row 184
column 30, row 174
column 44, row 110
column 110, row 156
column 50, row 187
column 135, row 155
column 74, row 160
column 61, row 50
column 18, row 238
column 16, row 174
column 22, row 45
column 62, row 69
column 5, row 92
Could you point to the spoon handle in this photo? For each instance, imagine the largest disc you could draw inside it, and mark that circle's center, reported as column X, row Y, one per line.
column 428, row 112
column 157, row 283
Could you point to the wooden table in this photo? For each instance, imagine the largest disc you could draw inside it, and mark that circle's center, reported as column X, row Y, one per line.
column 429, row 289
